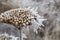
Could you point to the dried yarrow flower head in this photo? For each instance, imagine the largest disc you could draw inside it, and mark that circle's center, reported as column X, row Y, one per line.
column 5, row 36
column 22, row 17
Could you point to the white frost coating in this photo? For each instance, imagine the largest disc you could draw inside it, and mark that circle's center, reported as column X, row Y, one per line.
column 37, row 23
column 6, row 36
column 23, row 36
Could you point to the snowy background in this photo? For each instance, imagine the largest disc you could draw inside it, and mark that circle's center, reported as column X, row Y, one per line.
column 50, row 9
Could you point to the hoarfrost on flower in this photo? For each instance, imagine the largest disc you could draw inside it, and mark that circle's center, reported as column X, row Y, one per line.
column 23, row 17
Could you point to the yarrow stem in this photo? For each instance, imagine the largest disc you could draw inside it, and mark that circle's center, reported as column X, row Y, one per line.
column 20, row 33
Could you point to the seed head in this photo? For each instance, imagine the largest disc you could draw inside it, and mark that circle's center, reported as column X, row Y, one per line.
column 21, row 17
column 18, row 17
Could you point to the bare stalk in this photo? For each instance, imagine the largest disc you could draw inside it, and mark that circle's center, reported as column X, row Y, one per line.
column 19, row 30
column 20, row 33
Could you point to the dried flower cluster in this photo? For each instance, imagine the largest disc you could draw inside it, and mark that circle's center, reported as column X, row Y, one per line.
column 17, row 17
column 22, row 17
column 5, row 36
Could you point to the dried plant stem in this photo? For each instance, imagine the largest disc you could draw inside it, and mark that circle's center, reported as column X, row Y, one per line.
column 20, row 33
column 19, row 30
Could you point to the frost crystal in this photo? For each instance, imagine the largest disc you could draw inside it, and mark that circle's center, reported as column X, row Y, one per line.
column 5, row 36
column 23, row 36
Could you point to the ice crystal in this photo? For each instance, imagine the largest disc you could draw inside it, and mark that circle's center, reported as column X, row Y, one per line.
column 5, row 36
column 23, row 36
